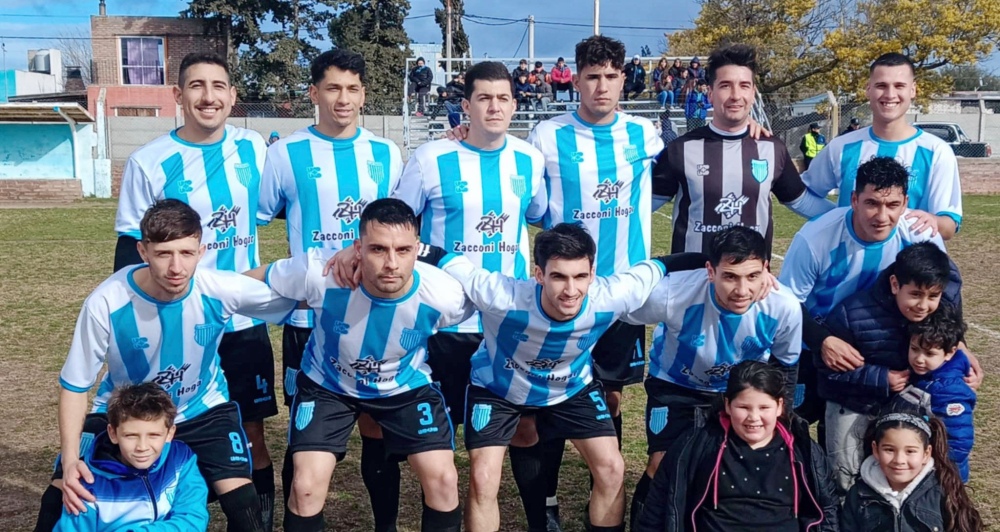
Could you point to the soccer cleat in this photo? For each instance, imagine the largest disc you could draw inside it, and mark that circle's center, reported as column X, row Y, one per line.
column 552, row 523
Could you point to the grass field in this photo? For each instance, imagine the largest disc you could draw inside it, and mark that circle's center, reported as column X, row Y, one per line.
column 53, row 257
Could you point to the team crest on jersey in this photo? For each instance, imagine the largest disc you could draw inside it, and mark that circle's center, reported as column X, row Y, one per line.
column 544, row 364
column 290, row 385
column 481, row 416
column 376, row 171
column 244, row 173
column 349, row 210
column 519, row 185
column 367, row 366
column 758, row 168
column 588, row 340
column 314, row 172
column 492, row 223
column 658, row 418
column 170, row 376
column 730, row 205
column 631, row 153
column 223, row 218
column 304, row 414
column 206, row 333
column 411, row 339
column 702, row 170
column 607, row 191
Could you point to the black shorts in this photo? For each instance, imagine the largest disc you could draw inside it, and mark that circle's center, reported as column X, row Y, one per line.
column 491, row 420
column 293, row 345
column 216, row 437
column 672, row 410
column 247, row 360
column 450, row 357
column 412, row 422
column 619, row 355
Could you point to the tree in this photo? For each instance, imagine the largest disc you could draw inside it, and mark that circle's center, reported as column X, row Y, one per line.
column 74, row 45
column 459, row 39
column 972, row 78
column 374, row 28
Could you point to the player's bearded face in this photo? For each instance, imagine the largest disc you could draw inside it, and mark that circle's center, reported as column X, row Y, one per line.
column 890, row 91
column 732, row 96
column 491, row 106
column 754, row 415
column 340, row 95
column 565, row 283
column 600, row 88
column 386, row 256
column 206, row 97
column 171, row 265
column 876, row 212
column 737, row 285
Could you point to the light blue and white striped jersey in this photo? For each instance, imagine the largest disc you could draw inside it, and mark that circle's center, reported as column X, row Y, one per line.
column 220, row 181
column 477, row 203
column 934, row 184
column 601, row 176
column 828, row 262
column 697, row 341
column 365, row 346
column 173, row 344
column 527, row 357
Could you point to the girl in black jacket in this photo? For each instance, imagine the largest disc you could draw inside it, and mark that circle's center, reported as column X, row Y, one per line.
column 747, row 469
column 908, row 483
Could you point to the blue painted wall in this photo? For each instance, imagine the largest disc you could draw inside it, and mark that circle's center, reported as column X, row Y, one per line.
column 35, row 151
column 8, row 84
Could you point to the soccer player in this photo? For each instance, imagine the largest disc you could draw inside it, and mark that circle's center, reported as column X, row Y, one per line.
column 324, row 175
column 709, row 320
column 163, row 322
column 719, row 175
column 368, row 354
column 598, row 164
column 935, row 192
column 215, row 168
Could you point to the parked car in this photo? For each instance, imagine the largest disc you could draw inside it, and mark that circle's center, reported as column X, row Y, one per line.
column 960, row 142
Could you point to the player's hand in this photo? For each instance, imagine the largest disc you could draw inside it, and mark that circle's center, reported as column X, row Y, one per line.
column 898, row 380
column 975, row 377
column 924, row 220
column 757, row 131
column 344, row 268
column 458, row 132
column 838, row 355
column 73, row 490
column 770, row 284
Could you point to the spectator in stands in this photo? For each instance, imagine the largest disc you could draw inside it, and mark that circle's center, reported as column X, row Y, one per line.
column 667, row 132
column 663, row 84
column 853, row 126
column 420, row 84
column 543, row 94
column 635, row 78
column 524, row 92
column 679, row 82
column 273, row 138
column 539, row 72
column 450, row 96
column 562, row 78
column 675, row 71
column 812, row 142
column 697, row 106
column 695, row 70
column 522, row 68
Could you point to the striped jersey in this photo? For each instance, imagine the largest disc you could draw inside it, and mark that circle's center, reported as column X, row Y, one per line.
column 827, row 261
column 477, row 203
column 719, row 180
column 697, row 341
column 365, row 346
column 221, row 181
column 934, row 184
column 528, row 358
column 173, row 344
column 599, row 176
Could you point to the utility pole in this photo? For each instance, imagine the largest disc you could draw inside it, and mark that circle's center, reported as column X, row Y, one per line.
column 448, row 48
column 597, row 17
column 531, row 38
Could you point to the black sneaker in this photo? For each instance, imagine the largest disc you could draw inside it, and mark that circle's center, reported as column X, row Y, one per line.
column 552, row 523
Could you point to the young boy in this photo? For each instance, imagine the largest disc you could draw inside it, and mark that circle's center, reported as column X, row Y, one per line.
column 938, row 367
column 141, row 476
column 875, row 322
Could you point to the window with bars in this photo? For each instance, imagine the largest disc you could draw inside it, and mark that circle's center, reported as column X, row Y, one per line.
column 142, row 61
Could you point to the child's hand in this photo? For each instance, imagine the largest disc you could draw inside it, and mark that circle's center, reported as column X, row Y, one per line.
column 898, row 380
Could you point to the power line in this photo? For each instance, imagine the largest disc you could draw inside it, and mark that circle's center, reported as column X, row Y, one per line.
column 523, row 35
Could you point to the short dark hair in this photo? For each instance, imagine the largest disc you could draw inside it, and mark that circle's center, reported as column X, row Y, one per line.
column 388, row 211
column 340, row 58
column 145, row 401
column 882, row 173
column 741, row 55
column 600, row 50
column 892, row 59
column 564, row 241
column 757, row 375
column 701, row 82
column 168, row 220
column 737, row 244
column 486, row 71
column 924, row 265
column 943, row 329
column 198, row 58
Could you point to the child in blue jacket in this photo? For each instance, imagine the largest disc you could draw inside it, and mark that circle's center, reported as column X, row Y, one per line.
column 938, row 367
column 142, row 479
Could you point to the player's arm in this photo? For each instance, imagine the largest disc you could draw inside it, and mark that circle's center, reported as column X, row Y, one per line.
column 411, row 186
column 272, row 198
column 944, row 194
column 632, row 287
column 488, row 291
column 248, row 296
column 135, row 197
column 655, row 310
column 787, row 348
column 793, row 193
column 821, row 176
column 188, row 510
column 88, row 521
column 667, row 176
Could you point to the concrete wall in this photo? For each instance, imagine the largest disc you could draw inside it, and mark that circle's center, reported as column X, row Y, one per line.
column 31, row 191
column 146, row 96
column 23, row 83
column 34, row 153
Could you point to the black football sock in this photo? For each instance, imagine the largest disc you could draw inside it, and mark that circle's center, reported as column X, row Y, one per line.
column 50, row 510
column 617, row 420
column 526, row 465
column 297, row 523
column 381, row 478
column 552, row 459
column 437, row 521
column 242, row 509
column 639, row 499
column 263, row 482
